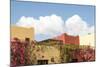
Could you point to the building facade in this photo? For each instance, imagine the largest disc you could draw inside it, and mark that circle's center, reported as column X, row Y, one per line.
column 48, row 52
column 22, row 33
column 67, row 39
column 88, row 40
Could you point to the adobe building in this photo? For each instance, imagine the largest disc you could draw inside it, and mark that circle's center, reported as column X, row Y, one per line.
column 88, row 39
column 22, row 33
column 47, row 52
column 67, row 39
column 20, row 39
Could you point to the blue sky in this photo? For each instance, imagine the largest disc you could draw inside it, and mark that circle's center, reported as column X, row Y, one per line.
column 19, row 9
column 36, row 9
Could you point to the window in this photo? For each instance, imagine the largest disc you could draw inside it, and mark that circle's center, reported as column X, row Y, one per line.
column 41, row 62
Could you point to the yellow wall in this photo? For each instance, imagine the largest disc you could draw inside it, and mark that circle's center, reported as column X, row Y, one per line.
column 88, row 40
column 48, row 52
column 22, row 33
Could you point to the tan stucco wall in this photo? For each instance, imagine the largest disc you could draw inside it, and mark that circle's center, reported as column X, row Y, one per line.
column 88, row 40
column 48, row 52
column 22, row 33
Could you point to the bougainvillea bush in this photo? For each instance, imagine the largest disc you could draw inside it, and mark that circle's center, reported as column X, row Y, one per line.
column 20, row 52
column 24, row 53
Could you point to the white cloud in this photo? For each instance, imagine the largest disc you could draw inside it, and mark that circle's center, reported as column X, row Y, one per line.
column 75, row 25
column 47, row 25
column 53, row 25
column 84, row 2
column 26, row 21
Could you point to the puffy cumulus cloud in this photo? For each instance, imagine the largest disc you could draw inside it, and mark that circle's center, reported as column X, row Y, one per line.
column 50, row 26
column 45, row 25
column 75, row 25
column 26, row 22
